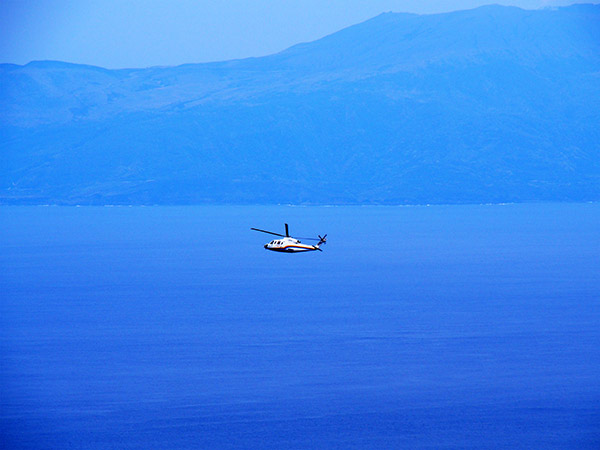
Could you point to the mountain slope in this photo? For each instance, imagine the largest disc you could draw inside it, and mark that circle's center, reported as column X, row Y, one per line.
column 493, row 104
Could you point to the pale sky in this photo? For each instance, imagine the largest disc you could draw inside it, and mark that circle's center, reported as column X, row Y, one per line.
column 143, row 33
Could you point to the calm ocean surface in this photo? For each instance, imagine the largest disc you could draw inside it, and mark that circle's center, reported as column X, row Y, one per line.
column 172, row 327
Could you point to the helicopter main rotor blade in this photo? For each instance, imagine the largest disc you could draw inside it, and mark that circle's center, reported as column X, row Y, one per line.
column 306, row 239
column 268, row 232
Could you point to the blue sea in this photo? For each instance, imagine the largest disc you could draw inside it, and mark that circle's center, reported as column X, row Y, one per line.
column 416, row 327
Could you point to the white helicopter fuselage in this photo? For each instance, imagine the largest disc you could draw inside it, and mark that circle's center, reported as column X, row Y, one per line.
column 290, row 245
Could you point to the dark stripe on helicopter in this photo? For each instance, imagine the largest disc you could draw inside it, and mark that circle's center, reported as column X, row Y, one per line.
column 285, row 249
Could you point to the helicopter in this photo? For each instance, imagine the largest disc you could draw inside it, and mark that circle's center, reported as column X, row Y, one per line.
column 291, row 245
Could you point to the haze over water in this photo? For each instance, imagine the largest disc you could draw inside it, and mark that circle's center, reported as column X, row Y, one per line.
column 172, row 327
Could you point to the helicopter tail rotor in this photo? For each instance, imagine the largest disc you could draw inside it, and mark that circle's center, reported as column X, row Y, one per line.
column 322, row 240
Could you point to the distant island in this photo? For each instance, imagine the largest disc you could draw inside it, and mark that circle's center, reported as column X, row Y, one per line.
column 494, row 104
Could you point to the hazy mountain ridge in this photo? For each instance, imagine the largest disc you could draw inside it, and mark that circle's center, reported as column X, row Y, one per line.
column 491, row 104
